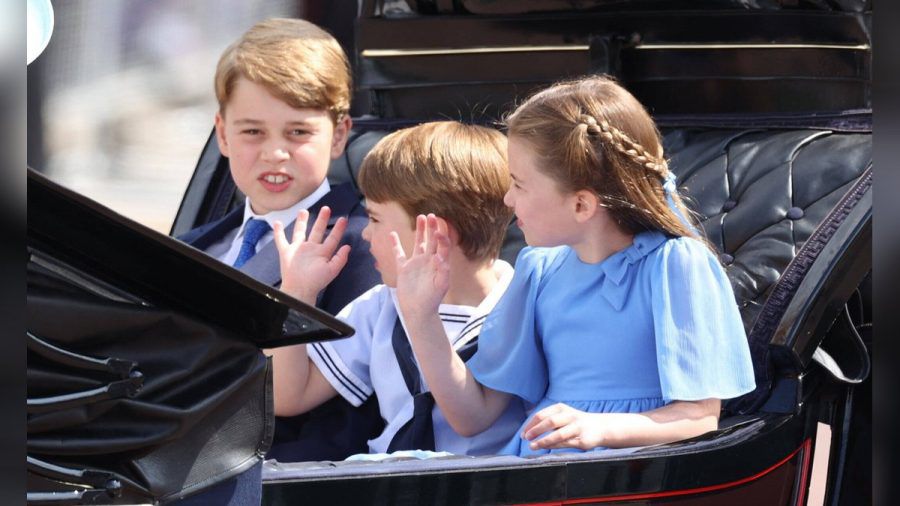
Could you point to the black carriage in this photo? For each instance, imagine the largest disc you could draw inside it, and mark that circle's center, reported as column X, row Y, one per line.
column 765, row 112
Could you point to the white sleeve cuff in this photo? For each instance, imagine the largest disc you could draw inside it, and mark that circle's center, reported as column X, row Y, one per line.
column 347, row 384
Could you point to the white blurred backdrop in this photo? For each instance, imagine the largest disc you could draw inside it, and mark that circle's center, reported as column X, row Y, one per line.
column 124, row 96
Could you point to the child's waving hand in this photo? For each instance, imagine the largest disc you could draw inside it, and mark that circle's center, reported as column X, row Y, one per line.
column 423, row 278
column 309, row 264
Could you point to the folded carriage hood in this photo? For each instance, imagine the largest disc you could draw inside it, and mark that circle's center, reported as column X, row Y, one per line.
column 159, row 270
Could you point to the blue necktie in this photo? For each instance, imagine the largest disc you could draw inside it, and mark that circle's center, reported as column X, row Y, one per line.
column 253, row 231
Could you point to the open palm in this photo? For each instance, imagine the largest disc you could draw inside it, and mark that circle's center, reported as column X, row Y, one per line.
column 423, row 278
column 308, row 264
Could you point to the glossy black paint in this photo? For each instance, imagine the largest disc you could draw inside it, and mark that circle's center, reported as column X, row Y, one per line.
column 158, row 270
column 723, row 462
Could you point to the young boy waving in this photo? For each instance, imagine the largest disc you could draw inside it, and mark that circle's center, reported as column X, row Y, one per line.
column 458, row 173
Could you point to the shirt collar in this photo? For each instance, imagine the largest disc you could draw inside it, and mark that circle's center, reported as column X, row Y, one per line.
column 288, row 215
column 616, row 284
column 504, row 273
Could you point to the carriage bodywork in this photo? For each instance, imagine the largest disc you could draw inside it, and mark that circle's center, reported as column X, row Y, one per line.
column 765, row 113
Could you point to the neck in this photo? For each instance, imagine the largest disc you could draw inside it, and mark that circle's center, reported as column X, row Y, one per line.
column 601, row 238
column 470, row 282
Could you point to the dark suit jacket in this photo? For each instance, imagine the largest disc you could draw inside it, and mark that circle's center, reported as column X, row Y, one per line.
column 357, row 276
column 335, row 429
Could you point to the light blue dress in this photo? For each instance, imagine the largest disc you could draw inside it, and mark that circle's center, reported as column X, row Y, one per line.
column 650, row 324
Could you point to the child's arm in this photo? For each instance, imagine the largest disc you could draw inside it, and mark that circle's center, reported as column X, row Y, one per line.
column 422, row 282
column 307, row 266
column 567, row 427
column 298, row 385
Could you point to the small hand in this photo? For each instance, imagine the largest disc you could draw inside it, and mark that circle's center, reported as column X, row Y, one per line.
column 309, row 264
column 566, row 427
column 423, row 278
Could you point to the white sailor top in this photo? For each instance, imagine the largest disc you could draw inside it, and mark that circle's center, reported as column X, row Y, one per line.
column 365, row 363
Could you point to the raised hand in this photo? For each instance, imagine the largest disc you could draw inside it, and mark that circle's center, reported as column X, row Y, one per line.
column 423, row 278
column 564, row 427
column 309, row 264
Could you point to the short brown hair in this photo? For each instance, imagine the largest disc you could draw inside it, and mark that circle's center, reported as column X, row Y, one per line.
column 295, row 60
column 591, row 133
column 456, row 171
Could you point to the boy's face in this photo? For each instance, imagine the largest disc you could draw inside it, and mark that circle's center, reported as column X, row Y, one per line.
column 278, row 154
column 384, row 218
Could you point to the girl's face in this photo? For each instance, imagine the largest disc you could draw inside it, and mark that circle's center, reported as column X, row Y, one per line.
column 384, row 218
column 545, row 214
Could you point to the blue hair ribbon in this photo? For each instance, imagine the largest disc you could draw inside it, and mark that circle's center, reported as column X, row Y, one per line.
column 671, row 189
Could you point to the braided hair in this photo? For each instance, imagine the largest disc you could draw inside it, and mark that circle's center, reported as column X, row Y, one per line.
column 591, row 133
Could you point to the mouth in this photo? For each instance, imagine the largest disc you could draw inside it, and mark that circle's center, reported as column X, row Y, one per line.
column 274, row 182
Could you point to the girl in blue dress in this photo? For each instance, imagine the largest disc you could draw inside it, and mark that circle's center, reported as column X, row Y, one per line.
column 620, row 325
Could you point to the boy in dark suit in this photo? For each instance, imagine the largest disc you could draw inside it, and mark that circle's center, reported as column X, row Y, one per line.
column 284, row 99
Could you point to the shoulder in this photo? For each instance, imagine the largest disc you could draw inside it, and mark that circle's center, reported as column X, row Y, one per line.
column 683, row 251
column 685, row 260
column 344, row 200
column 371, row 302
column 535, row 261
column 214, row 229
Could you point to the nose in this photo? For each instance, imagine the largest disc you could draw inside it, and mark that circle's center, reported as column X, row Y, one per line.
column 275, row 152
column 508, row 199
column 366, row 233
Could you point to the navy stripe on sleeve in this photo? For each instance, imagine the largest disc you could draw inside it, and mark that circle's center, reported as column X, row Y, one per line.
column 339, row 374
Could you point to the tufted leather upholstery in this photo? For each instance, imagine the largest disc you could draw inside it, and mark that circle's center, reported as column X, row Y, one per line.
column 759, row 195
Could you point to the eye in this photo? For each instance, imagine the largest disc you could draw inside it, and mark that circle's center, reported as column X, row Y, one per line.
column 296, row 132
column 251, row 131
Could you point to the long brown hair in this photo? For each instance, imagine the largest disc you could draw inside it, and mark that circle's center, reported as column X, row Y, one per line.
column 591, row 133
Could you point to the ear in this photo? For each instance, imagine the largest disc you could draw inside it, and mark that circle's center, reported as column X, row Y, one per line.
column 586, row 205
column 452, row 233
column 220, row 134
column 341, row 134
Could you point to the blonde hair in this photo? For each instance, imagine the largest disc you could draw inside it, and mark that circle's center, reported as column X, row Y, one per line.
column 456, row 171
column 295, row 60
column 592, row 134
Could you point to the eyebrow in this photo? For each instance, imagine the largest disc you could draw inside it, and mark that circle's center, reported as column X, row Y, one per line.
column 249, row 121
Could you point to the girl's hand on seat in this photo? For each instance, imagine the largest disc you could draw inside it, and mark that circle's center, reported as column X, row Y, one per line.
column 308, row 264
column 565, row 427
column 423, row 278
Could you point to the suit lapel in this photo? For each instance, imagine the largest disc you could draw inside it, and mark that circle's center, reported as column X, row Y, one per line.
column 212, row 232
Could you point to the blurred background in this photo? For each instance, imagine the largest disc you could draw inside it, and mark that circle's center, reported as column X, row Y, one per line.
column 121, row 102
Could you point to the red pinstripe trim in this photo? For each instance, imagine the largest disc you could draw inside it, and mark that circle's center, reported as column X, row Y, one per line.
column 700, row 490
column 804, row 473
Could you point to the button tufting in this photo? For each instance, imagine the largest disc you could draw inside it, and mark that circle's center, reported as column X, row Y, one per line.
column 795, row 213
column 726, row 258
column 728, row 205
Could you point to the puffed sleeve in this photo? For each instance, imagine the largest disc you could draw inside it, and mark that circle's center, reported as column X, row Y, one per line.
column 701, row 347
column 345, row 362
column 510, row 357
